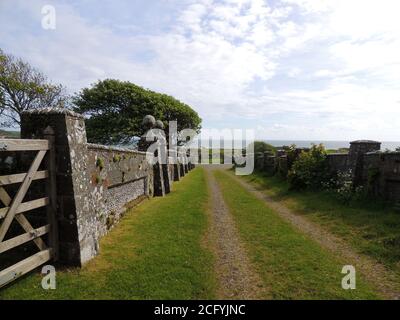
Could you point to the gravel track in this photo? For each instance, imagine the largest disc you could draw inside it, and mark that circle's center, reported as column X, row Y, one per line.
column 235, row 275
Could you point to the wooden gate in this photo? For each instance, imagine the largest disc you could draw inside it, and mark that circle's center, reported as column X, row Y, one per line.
column 13, row 208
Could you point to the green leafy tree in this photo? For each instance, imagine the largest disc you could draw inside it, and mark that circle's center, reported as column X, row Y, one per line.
column 115, row 110
column 22, row 87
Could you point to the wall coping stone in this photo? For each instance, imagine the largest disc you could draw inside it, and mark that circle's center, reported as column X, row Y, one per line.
column 112, row 148
column 365, row 142
column 56, row 110
column 392, row 153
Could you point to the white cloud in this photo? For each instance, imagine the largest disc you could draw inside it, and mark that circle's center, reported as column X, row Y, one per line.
column 335, row 65
column 312, row 6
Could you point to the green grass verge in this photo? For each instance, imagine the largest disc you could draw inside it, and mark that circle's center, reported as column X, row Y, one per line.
column 155, row 252
column 291, row 264
column 370, row 226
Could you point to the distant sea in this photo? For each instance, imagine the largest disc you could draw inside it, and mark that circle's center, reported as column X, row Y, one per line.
column 391, row 145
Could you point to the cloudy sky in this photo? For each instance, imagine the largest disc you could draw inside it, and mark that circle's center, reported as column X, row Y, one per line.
column 292, row 69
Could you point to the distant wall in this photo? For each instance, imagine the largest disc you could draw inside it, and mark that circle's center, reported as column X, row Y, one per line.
column 338, row 161
column 378, row 172
column 384, row 171
column 269, row 163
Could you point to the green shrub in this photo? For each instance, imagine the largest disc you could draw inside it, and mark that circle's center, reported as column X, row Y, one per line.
column 310, row 170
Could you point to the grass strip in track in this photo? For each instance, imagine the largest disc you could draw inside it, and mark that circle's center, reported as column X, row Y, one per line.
column 291, row 264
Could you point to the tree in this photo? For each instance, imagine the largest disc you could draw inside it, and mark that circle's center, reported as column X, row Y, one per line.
column 115, row 110
column 22, row 87
column 261, row 146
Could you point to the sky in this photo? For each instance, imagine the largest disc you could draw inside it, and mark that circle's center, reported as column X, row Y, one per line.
column 291, row 69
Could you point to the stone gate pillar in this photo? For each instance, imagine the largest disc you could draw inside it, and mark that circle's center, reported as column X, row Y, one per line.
column 356, row 157
column 76, row 234
column 160, row 170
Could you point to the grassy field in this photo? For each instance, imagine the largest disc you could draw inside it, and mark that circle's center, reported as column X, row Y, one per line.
column 292, row 265
column 10, row 134
column 371, row 227
column 155, row 252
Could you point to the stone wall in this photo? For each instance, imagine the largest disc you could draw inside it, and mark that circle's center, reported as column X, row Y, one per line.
column 360, row 147
column 378, row 172
column 270, row 165
column 381, row 172
column 259, row 161
column 338, row 162
column 282, row 165
column 117, row 177
column 370, row 164
column 356, row 157
column 94, row 183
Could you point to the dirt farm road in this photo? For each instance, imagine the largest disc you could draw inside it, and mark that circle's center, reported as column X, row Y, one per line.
column 383, row 279
column 236, row 278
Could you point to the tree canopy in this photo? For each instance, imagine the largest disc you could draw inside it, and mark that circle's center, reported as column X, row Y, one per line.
column 23, row 87
column 115, row 110
column 261, row 146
